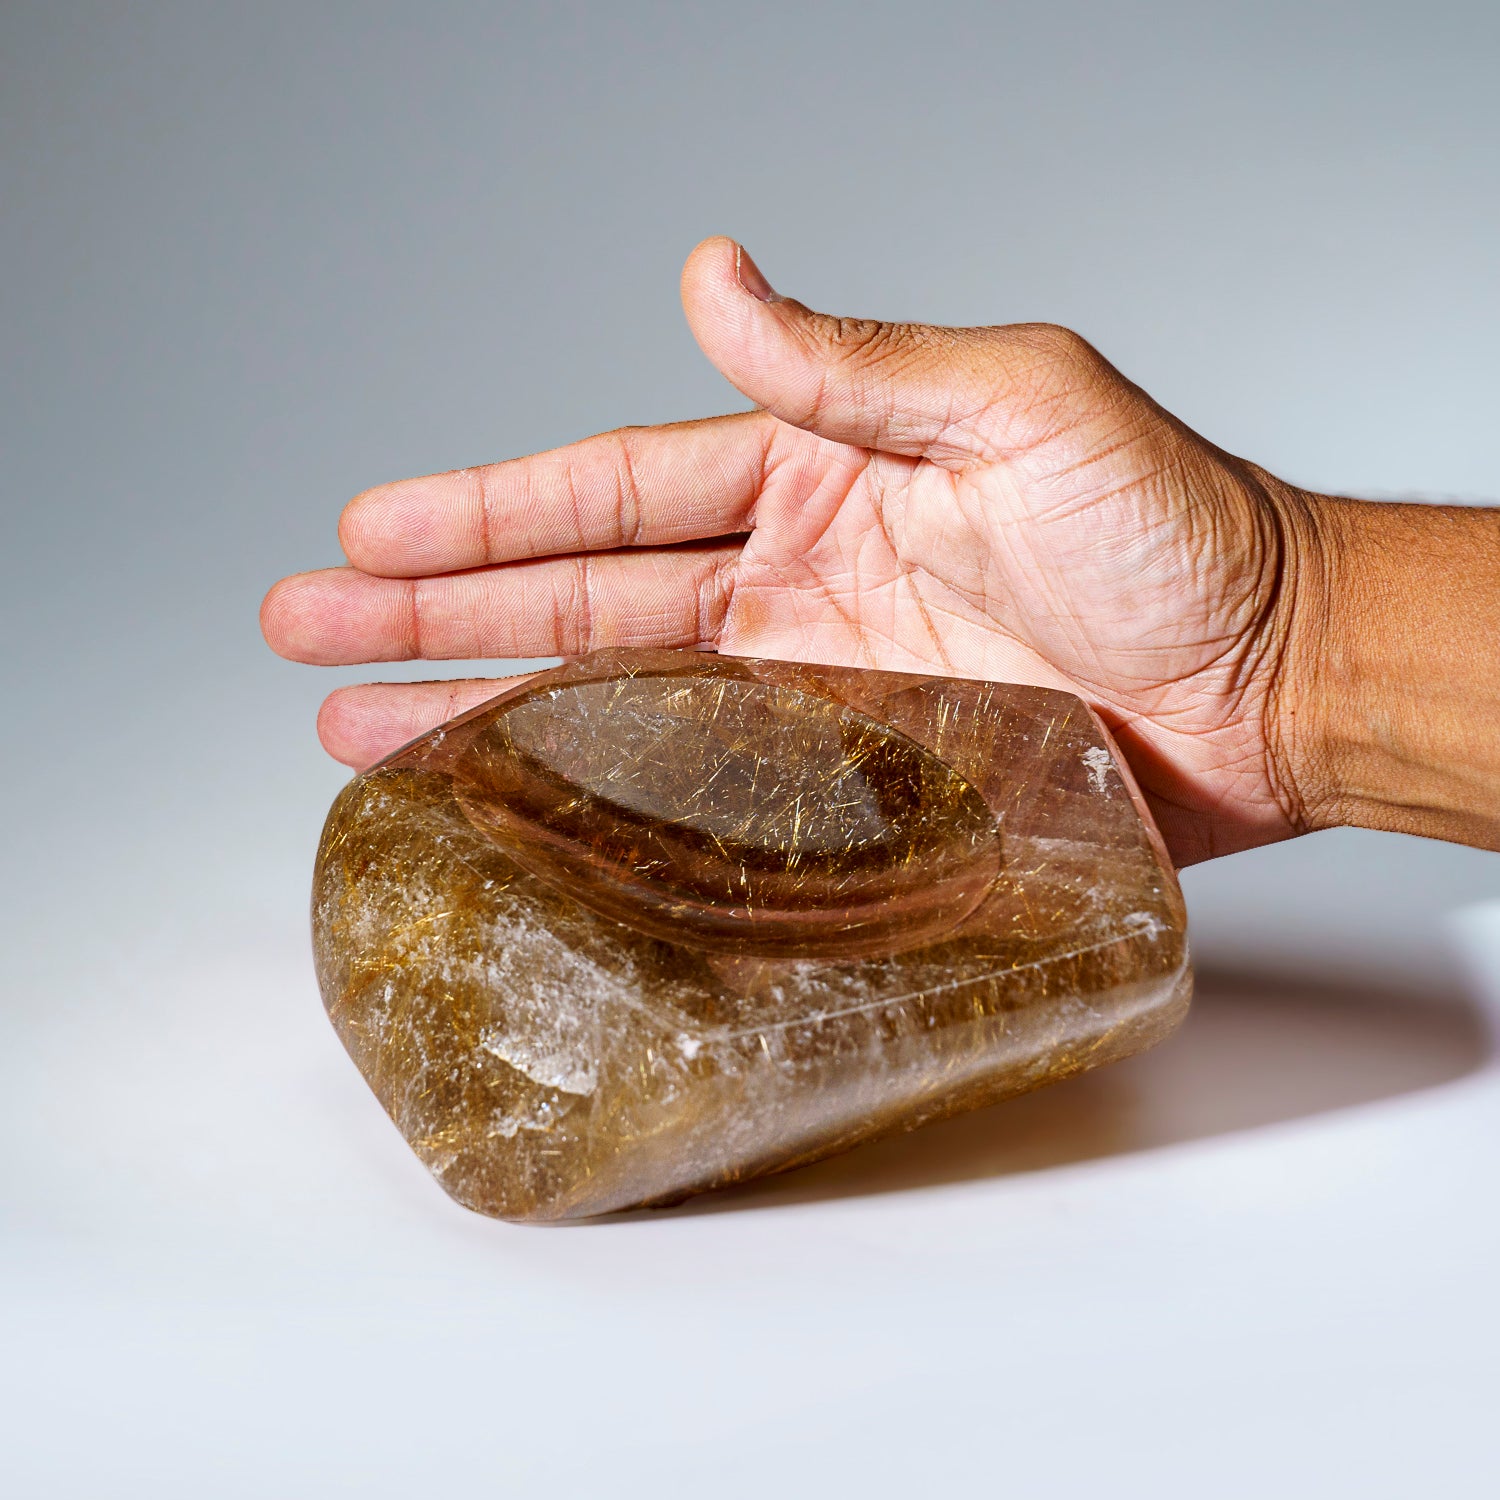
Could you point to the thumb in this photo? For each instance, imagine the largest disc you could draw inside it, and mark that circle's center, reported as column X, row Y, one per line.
column 953, row 395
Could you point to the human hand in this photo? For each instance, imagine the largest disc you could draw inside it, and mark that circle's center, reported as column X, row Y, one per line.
column 991, row 502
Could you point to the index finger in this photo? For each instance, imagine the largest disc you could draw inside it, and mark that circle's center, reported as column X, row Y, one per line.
column 635, row 487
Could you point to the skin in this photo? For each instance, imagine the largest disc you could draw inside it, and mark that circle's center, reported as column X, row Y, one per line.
column 982, row 502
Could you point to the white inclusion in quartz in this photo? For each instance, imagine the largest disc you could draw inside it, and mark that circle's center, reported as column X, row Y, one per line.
column 552, row 1067
column 1099, row 764
column 556, row 1001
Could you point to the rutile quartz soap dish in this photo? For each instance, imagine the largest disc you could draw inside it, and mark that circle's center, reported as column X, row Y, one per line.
column 658, row 921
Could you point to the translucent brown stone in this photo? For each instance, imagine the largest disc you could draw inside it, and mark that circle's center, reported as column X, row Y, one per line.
column 658, row 921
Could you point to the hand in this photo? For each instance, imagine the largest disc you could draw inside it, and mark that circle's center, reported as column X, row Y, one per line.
column 984, row 502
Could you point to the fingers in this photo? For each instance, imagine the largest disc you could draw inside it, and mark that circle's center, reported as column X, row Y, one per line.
column 362, row 725
column 953, row 395
column 645, row 486
column 554, row 607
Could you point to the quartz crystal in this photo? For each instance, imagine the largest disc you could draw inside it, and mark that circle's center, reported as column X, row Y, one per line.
column 657, row 921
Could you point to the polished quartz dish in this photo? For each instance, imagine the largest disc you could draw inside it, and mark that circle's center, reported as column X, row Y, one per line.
column 659, row 921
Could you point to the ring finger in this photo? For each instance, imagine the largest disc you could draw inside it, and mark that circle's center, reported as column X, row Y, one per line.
column 558, row 606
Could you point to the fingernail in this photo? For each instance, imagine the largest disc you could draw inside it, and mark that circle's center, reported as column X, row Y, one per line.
column 748, row 274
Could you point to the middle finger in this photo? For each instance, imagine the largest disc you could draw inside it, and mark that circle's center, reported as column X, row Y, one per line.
column 639, row 486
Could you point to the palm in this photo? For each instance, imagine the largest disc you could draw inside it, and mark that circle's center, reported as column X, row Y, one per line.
column 1004, row 507
column 899, row 563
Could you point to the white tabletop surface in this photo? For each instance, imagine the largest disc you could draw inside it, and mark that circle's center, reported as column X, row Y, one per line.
column 1266, row 1248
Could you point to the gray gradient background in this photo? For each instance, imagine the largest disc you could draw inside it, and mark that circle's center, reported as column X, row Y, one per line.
column 256, row 258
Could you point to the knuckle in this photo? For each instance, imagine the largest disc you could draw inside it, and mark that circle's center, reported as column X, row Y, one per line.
column 417, row 640
column 574, row 605
column 861, row 353
column 484, row 501
column 1054, row 342
column 868, row 342
column 626, row 442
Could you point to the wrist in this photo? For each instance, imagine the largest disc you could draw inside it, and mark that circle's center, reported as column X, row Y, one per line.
column 1385, row 708
column 1297, row 731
